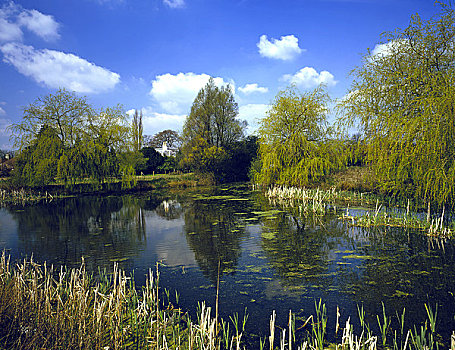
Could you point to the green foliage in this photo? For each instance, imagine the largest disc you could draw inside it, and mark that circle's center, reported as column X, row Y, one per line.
column 294, row 144
column 153, row 161
column 403, row 100
column 169, row 164
column 63, row 111
column 37, row 164
column 62, row 136
column 203, row 158
column 129, row 162
column 239, row 159
column 171, row 138
column 137, row 131
column 211, row 130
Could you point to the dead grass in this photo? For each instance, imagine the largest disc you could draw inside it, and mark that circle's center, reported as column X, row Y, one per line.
column 356, row 178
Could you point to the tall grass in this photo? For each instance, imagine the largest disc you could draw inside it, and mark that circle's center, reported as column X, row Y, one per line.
column 318, row 202
column 22, row 197
column 43, row 308
column 430, row 226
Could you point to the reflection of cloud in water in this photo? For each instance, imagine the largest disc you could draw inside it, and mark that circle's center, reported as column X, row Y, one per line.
column 8, row 230
column 251, row 245
column 166, row 240
column 274, row 289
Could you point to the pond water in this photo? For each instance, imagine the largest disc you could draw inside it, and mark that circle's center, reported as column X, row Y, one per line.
column 270, row 258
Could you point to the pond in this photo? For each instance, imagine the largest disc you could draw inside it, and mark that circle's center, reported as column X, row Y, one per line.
column 268, row 256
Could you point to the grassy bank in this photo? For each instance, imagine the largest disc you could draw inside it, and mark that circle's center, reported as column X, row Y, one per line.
column 44, row 308
column 9, row 194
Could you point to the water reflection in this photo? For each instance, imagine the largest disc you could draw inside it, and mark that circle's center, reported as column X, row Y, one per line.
column 100, row 229
column 169, row 209
column 402, row 270
column 270, row 257
column 214, row 234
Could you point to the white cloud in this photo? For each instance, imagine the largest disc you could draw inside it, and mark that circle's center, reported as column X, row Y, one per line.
column 176, row 93
column 9, row 31
column 13, row 18
column 287, row 48
column 2, row 111
column 154, row 122
column 391, row 47
column 42, row 25
column 57, row 69
column 308, row 77
column 252, row 113
column 175, row 3
column 5, row 134
column 381, row 49
column 251, row 88
column 4, row 123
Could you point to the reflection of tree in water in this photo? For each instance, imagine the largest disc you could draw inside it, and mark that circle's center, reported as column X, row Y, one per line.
column 169, row 209
column 299, row 248
column 100, row 229
column 405, row 271
column 214, row 235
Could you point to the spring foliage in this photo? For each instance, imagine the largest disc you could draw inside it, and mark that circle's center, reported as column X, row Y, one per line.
column 211, row 130
column 402, row 99
column 61, row 136
column 294, row 140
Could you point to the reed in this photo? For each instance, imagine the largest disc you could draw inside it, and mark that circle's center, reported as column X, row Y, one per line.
column 319, row 202
column 434, row 227
column 22, row 197
column 46, row 308
column 308, row 195
column 309, row 201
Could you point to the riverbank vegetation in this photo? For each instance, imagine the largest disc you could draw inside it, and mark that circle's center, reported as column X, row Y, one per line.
column 10, row 195
column 402, row 105
column 53, row 308
column 63, row 137
column 63, row 140
column 213, row 140
column 319, row 202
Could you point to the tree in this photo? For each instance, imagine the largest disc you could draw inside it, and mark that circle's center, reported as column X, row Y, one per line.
column 211, row 128
column 403, row 100
column 153, row 160
column 62, row 136
column 137, row 131
column 171, row 138
column 63, row 111
column 294, row 144
column 107, row 135
column 238, row 161
column 37, row 163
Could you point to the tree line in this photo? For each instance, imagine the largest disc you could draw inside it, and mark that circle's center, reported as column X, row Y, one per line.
column 401, row 102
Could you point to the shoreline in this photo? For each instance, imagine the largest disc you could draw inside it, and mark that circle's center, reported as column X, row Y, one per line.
column 25, row 195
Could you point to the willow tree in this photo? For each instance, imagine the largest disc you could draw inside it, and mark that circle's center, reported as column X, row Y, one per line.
column 62, row 136
column 37, row 163
column 63, row 111
column 294, row 144
column 402, row 99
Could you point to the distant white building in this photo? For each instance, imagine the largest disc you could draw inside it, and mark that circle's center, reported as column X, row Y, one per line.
column 166, row 151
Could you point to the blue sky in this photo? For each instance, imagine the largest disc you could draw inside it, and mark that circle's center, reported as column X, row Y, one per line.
column 155, row 55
